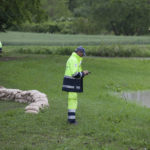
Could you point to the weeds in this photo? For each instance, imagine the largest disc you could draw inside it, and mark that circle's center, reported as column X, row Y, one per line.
column 102, row 51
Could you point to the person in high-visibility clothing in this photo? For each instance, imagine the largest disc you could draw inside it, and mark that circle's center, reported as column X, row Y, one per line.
column 0, row 47
column 73, row 81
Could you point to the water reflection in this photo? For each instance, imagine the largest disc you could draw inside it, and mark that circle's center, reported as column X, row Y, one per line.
column 140, row 97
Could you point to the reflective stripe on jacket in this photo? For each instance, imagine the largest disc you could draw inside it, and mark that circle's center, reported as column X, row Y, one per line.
column 73, row 79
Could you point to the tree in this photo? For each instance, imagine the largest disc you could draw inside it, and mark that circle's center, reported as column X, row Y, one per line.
column 80, row 8
column 72, row 4
column 126, row 17
column 56, row 8
column 18, row 11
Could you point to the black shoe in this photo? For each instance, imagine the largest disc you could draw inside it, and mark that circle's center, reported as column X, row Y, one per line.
column 74, row 123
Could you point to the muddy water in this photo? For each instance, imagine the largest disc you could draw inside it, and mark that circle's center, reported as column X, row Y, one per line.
column 140, row 97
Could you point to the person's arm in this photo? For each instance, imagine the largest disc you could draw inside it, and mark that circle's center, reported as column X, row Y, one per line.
column 74, row 70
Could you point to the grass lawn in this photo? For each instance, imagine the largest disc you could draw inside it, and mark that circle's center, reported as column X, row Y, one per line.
column 25, row 38
column 95, row 45
column 105, row 122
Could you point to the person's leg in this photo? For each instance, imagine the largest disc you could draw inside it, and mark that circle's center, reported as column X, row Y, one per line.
column 72, row 106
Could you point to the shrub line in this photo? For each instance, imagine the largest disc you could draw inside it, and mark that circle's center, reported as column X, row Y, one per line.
column 102, row 51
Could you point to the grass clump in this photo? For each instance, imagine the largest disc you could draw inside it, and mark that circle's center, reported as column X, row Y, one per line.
column 40, row 39
column 119, row 51
column 102, row 50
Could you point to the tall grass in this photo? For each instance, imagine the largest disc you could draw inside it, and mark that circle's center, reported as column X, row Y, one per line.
column 95, row 45
column 104, row 121
column 21, row 38
column 103, row 50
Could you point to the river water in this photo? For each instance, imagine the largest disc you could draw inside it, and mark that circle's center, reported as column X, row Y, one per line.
column 140, row 97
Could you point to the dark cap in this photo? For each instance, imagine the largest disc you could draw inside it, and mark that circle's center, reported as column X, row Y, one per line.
column 81, row 49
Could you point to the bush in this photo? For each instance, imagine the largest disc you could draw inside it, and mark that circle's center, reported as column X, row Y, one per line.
column 86, row 26
column 103, row 50
column 40, row 28
column 64, row 51
column 62, row 25
column 118, row 51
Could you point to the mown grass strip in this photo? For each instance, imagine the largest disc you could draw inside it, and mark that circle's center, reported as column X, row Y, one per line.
column 25, row 38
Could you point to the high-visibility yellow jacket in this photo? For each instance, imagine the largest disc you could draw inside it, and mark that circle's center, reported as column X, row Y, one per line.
column 0, row 47
column 73, row 78
column 0, row 44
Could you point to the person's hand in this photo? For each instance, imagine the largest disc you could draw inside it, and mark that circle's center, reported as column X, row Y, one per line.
column 86, row 72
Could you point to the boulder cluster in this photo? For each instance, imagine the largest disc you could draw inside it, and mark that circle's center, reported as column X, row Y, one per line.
column 36, row 99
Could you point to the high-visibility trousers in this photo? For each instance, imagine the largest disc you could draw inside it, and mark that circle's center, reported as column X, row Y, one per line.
column 72, row 100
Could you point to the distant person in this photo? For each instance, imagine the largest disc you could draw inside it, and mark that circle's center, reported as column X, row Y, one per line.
column 0, row 47
column 73, row 81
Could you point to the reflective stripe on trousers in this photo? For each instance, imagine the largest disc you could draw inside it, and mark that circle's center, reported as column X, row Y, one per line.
column 71, row 115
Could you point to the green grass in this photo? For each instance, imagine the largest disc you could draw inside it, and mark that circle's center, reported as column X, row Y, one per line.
column 95, row 45
column 105, row 122
column 103, row 50
column 21, row 38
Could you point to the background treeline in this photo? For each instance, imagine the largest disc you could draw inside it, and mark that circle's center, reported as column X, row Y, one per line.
column 119, row 17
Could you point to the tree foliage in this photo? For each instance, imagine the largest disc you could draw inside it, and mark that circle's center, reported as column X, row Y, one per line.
column 126, row 17
column 56, row 8
column 18, row 11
